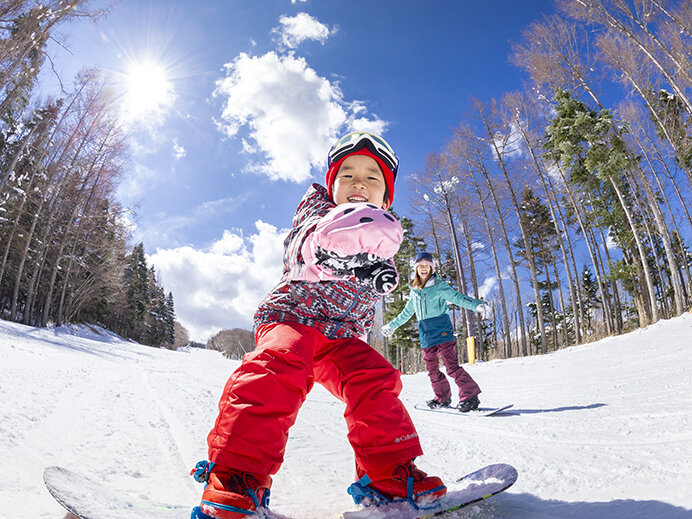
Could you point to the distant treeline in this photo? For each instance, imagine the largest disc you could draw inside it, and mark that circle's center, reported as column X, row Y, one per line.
column 232, row 343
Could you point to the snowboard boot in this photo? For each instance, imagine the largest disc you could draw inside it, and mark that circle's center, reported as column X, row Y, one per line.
column 435, row 403
column 402, row 482
column 229, row 493
column 469, row 404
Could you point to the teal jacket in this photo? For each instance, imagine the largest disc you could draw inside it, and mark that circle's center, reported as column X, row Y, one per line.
column 430, row 306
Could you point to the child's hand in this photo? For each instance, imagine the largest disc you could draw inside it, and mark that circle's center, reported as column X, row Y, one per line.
column 352, row 229
column 368, row 268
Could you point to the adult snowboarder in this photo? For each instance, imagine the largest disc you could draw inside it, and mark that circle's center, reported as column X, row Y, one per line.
column 428, row 300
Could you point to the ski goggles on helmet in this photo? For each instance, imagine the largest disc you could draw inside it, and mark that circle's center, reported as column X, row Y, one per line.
column 358, row 140
column 424, row 256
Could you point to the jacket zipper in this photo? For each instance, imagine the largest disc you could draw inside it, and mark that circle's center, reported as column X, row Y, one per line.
column 355, row 300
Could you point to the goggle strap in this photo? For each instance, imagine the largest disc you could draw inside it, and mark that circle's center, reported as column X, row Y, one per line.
column 341, row 149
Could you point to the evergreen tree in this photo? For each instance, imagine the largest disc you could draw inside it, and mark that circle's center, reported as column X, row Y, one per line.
column 541, row 237
column 670, row 111
column 590, row 297
column 137, row 288
column 588, row 145
column 160, row 315
column 170, row 319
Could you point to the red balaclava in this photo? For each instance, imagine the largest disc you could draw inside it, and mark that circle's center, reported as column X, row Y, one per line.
column 386, row 172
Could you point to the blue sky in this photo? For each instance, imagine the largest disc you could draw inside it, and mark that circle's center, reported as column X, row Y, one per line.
column 234, row 104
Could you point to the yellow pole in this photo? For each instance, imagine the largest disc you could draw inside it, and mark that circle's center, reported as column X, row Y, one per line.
column 471, row 349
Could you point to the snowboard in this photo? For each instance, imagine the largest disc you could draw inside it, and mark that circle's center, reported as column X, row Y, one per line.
column 85, row 498
column 481, row 411
column 88, row 499
column 471, row 488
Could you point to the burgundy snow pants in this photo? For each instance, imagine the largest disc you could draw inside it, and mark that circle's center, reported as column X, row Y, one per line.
column 447, row 350
column 261, row 399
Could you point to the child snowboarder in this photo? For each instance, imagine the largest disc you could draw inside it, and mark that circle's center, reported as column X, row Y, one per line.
column 337, row 266
column 428, row 300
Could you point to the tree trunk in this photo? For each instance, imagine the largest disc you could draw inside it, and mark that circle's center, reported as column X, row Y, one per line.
column 547, row 186
column 589, row 246
column 474, row 277
column 23, row 260
column 507, row 335
column 642, row 252
column 512, row 262
column 665, row 237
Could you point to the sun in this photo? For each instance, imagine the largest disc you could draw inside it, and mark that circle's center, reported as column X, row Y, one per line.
column 148, row 90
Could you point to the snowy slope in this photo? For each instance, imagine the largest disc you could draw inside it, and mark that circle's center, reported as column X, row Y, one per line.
column 599, row 431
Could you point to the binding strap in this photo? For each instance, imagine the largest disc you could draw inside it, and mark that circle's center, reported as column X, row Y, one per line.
column 202, row 470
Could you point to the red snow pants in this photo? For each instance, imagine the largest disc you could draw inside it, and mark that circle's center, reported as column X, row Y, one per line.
column 261, row 399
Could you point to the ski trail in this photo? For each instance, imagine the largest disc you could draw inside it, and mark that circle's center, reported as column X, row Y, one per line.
column 173, row 433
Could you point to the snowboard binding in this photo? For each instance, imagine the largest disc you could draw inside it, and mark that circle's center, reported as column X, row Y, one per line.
column 364, row 495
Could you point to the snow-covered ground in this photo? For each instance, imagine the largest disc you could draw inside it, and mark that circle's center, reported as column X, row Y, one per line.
column 598, row 431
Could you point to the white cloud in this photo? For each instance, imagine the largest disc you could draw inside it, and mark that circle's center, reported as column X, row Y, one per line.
column 554, row 171
column 611, row 243
column 487, row 287
column 296, row 29
column 136, row 183
column 478, row 245
column 165, row 230
column 220, row 287
column 510, row 145
column 292, row 115
column 178, row 151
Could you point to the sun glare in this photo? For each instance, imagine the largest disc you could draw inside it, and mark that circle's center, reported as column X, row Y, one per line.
column 148, row 90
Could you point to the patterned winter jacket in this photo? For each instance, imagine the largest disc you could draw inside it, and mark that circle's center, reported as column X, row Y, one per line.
column 312, row 295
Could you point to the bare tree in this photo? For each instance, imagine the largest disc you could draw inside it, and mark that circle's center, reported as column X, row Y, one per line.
column 557, row 54
column 460, row 150
column 500, row 136
column 633, row 23
column 621, row 54
column 532, row 144
column 480, row 164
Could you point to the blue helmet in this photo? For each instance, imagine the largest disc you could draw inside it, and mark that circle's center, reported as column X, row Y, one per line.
column 425, row 257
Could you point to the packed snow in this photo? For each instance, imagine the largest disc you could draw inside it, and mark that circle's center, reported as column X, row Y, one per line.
column 602, row 430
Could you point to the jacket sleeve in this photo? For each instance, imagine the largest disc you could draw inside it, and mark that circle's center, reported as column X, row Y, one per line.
column 314, row 205
column 458, row 298
column 403, row 316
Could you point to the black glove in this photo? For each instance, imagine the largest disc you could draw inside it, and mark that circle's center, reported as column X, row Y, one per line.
column 381, row 276
column 368, row 268
column 344, row 265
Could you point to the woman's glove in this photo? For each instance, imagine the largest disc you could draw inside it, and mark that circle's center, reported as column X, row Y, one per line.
column 485, row 310
column 387, row 331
